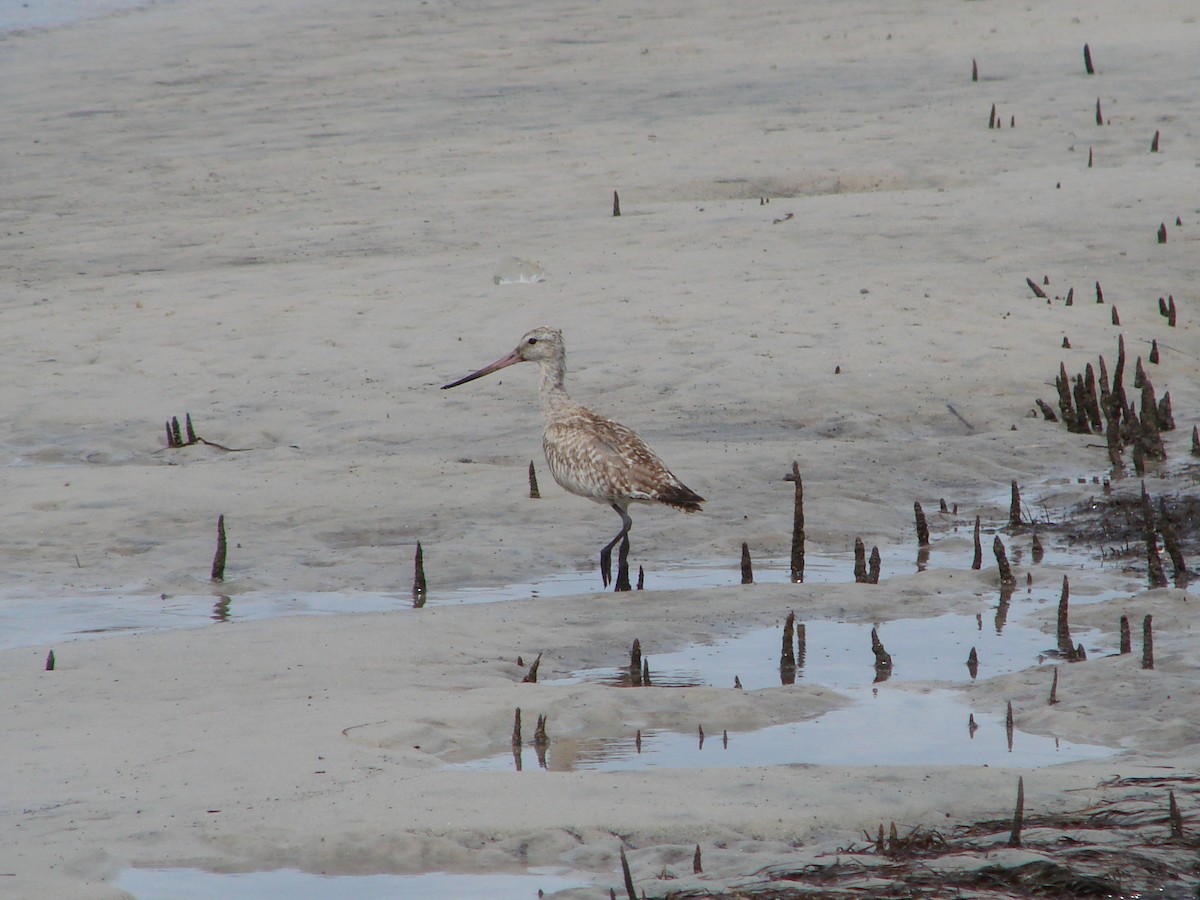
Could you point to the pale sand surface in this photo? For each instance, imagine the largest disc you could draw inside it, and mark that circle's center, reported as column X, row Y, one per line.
column 285, row 218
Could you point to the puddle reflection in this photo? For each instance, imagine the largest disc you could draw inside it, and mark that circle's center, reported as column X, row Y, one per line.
column 197, row 884
column 885, row 727
column 29, row 622
column 838, row 655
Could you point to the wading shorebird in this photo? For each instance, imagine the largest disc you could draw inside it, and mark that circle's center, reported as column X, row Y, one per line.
column 590, row 454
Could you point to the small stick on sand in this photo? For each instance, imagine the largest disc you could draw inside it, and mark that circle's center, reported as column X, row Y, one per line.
column 1054, row 688
column 419, row 576
column 787, row 656
column 1006, row 575
column 540, row 738
column 516, row 732
column 1099, row 114
column 1071, row 297
column 1065, row 404
column 992, row 117
column 972, row 725
column 1014, row 839
column 635, row 663
column 1118, row 381
column 1166, row 416
column 1037, row 551
column 1162, row 232
column 1079, row 391
column 50, row 661
column 1139, row 453
column 747, row 569
column 1154, row 567
column 1126, row 638
column 1171, row 545
column 1154, row 143
column 973, row 663
column 531, row 675
column 1036, row 288
column 190, row 431
column 873, row 565
column 797, row 526
column 697, row 867
column 1014, row 507
column 645, row 672
column 1116, row 318
column 1162, row 306
column 954, row 412
column 1089, row 157
column 922, row 525
column 1113, row 439
column 974, row 70
column 1175, row 816
column 1152, row 358
column 1105, row 390
column 641, row 582
column 801, row 643
column 860, row 561
column 1171, row 310
column 977, row 562
column 1195, row 441
column 629, row 888
column 1092, row 400
column 1151, row 438
column 1087, row 60
column 218, row 566
column 534, row 493
column 1099, row 293
column 1148, row 642
column 1009, row 725
column 616, row 204
column 1047, row 413
column 175, row 434
column 883, row 659
column 1065, row 645
column 700, row 733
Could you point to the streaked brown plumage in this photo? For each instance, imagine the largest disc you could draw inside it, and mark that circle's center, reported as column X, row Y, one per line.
column 590, row 454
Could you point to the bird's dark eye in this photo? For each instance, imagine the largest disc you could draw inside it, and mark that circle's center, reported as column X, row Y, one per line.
column 532, row 341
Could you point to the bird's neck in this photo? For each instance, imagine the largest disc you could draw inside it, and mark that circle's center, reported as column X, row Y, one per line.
column 552, row 393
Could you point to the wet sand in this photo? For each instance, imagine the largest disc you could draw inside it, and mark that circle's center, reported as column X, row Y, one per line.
column 285, row 220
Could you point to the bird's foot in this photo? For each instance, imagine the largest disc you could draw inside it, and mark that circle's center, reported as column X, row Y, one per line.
column 606, row 565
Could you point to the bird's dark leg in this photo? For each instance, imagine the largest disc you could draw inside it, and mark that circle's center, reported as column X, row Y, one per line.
column 623, row 565
column 606, row 553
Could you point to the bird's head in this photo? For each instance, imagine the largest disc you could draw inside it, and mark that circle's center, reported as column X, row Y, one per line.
column 542, row 344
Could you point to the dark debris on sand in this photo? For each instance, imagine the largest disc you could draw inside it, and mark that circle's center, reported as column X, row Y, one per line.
column 1123, row 846
column 1116, row 524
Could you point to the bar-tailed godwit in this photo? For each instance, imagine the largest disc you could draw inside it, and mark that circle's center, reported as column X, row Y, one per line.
column 590, row 454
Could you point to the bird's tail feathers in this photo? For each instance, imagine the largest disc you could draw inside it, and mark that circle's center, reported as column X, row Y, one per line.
column 681, row 497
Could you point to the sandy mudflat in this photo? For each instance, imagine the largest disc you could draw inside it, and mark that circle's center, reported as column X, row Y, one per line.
column 285, row 219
